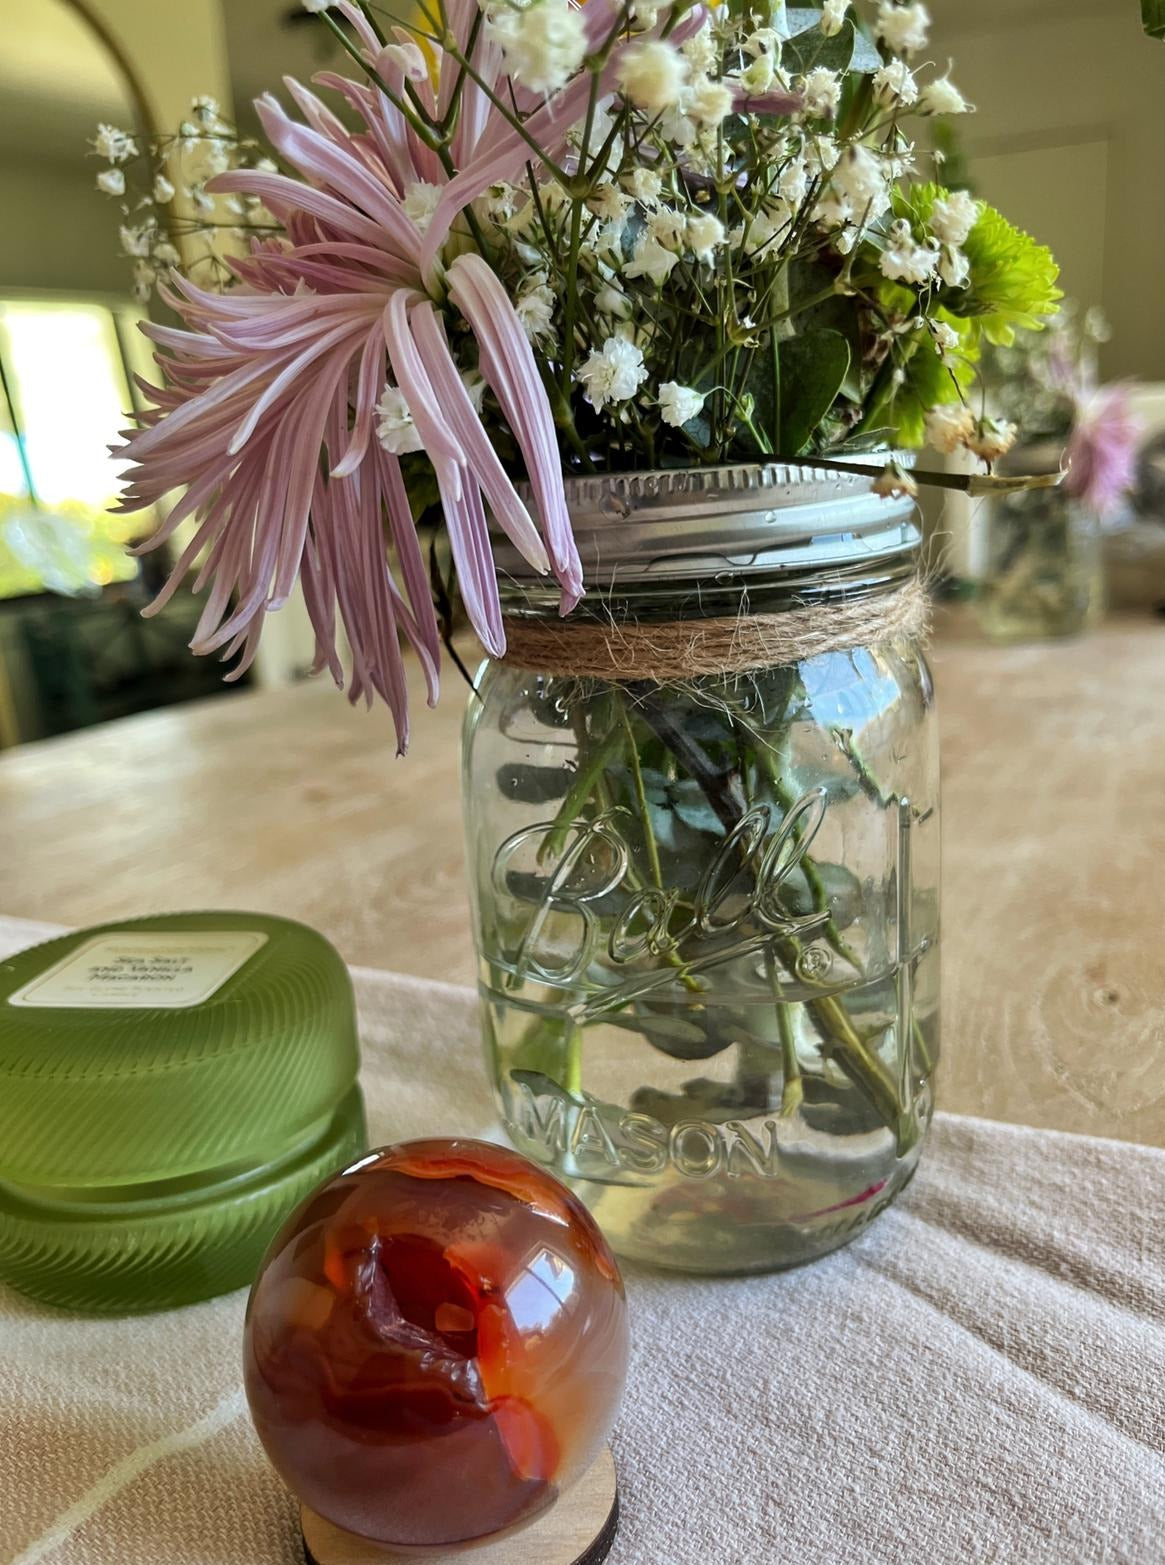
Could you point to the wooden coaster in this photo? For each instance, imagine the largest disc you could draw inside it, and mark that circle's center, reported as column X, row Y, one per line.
column 578, row 1530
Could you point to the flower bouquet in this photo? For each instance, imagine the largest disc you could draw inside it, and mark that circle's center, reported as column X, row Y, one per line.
column 644, row 304
column 1041, row 571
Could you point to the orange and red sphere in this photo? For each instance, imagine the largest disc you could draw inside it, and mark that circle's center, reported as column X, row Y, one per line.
column 436, row 1345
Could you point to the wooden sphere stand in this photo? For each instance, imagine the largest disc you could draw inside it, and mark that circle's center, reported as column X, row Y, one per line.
column 579, row 1529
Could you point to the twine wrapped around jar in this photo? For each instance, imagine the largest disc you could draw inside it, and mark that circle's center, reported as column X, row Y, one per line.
column 631, row 650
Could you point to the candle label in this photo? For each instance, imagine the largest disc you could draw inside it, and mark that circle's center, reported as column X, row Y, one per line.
column 142, row 970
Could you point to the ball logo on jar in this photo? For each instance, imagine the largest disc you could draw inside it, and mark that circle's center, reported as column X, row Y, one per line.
column 737, row 907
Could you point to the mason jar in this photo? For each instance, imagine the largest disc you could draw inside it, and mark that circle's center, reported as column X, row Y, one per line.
column 1039, row 562
column 702, row 820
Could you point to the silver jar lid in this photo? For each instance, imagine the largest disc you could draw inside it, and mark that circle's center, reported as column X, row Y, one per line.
column 688, row 523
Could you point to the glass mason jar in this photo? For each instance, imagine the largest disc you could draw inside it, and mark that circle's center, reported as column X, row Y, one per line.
column 706, row 907
column 1040, row 558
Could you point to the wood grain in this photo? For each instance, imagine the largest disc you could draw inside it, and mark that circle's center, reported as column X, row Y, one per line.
column 579, row 1530
column 290, row 802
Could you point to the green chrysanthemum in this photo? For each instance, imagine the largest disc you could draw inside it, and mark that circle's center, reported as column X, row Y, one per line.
column 1013, row 279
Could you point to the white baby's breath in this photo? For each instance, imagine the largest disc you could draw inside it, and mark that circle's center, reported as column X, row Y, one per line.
column 860, row 177
column 941, row 96
column 667, row 226
column 420, row 202
column 645, row 185
column 111, row 181
column 948, row 427
column 535, row 307
column 612, row 301
column 946, row 340
column 991, row 438
column 832, row 16
column 652, row 260
column 394, row 423
column 144, row 277
column 137, row 240
column 702, row 50
column 952, row 217
column 609, row 202
column 116, row 146
column 652, row 75
column 612, row 373
column 821, row 91
column 905, row 259
column 704, row 234
column 708, row 102
column 894, row 85
column 543, row 43
column 163, row 189
column 954, row 268
column 678, row 405
column 758, row 75
column 902, row 28
column 764, row 40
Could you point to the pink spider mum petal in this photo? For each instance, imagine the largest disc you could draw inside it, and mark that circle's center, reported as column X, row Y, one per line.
column 774, row 102
column 460, row 494
column 1102, row 449
column 507, row 362
column 509, row 512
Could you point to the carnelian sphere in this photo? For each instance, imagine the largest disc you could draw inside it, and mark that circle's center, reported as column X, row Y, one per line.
column 436, row 1345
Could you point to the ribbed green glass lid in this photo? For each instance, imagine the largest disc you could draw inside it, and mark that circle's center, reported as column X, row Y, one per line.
column 159, row 1048
column 170, row 1088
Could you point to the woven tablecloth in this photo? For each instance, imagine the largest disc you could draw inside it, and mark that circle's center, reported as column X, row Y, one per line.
column 978, row 1378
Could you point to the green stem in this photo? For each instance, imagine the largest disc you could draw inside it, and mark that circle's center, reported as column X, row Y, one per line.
column 793, row 1088
column 840, row 1038
column 768, row 759
column 576, row 218
column 591, row 768
column 867, row 781
column 641, row 798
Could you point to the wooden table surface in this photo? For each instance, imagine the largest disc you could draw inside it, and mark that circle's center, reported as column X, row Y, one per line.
column 290, row 802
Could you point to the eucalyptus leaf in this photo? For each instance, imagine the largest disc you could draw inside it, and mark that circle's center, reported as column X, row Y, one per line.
column 800, row 19
column 841, row 887
column 866, row 59
column 711, row 1101
column 813, row 367
column 849, row 49
column 1153, row 16
column 543, row 1051
column 690, row 803
column 678, row 1029
column 541, row 1083
column 810, row 48
column 709, row 724
column 533, row 784
column 534, row 889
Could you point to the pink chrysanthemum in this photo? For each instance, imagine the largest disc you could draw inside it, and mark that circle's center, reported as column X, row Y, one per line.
column 267, row 414
column 1102, row 449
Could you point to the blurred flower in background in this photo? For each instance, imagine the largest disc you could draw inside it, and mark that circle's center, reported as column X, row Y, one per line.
column 1047, row 384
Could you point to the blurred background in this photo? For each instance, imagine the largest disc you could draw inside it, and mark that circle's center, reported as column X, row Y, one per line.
column 1068, row 139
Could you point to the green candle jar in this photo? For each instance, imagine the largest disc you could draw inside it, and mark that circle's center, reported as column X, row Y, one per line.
column 170, row 1088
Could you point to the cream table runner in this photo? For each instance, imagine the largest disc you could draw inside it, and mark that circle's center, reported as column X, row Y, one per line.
column 980, row 1378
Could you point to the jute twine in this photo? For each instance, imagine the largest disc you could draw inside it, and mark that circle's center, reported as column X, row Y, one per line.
column 737, row 644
